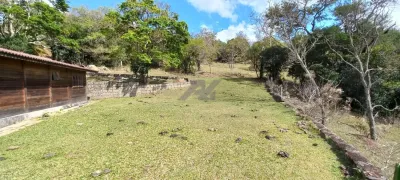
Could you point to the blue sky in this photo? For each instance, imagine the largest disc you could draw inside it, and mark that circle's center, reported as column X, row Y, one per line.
column 225, row 17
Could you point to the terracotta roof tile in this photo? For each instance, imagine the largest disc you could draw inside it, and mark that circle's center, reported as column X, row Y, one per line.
column 37, row 59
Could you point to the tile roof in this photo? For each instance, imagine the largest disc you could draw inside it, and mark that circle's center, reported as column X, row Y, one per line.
column 37, row 59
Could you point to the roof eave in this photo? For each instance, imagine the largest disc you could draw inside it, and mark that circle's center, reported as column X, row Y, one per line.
column 33, row 60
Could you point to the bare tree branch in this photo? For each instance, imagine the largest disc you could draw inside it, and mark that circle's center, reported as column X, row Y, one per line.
column 386, row 109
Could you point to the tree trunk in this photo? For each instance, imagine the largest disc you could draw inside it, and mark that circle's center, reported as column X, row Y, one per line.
column 323, row 113
column 369, row 109
column 198, row 65
column 319, row 95
column 11, row 27
column 143, row 78
column 372, row 127
column 262, row 68
column 256, row 70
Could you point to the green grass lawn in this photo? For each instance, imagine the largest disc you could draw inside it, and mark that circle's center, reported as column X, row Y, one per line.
column 241, row 109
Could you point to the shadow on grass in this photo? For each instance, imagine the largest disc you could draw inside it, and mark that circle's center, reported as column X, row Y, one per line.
column 246, row 81
column 253, row 82
column 354, row 173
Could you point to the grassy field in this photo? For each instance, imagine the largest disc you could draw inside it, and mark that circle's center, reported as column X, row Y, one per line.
column 204, row 146
column 217, row 70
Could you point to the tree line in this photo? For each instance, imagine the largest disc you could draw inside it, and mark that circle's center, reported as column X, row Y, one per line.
column 204, row 48
column 140, row 33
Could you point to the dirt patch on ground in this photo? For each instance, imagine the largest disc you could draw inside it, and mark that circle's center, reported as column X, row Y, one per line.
column 16, row 127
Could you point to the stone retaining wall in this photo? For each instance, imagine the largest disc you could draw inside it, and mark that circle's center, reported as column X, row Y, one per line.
column 370, row 171
column 96, row 75
column 112, row 89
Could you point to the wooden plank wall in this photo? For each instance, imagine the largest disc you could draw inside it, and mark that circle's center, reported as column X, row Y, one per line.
column 12, row 99
column 26, row 87
column 37, row 86
column 78, row 92
column 60, row 87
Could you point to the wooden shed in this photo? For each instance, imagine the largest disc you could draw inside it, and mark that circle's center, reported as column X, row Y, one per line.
column 30, row 83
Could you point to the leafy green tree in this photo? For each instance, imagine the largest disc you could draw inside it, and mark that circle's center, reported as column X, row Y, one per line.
column 14, row 19
column 46, row 24
column 61, row 5
column 255, row 54
column 237, row 48
column 155, row 34
column 36, row 22
column 17, row 43
column 274, row 60
column 222, row 53
column 209, row 48
column 96, row 33
column 192, row 53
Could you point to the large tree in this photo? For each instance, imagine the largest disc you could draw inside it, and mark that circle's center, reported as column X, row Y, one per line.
column 155, row 35
column 209, row 48
column 237, row 48
column 38, row 24
column 293, row 21
column 192, row 52
column 363, row 24
column 255, row 54
column 97, row 35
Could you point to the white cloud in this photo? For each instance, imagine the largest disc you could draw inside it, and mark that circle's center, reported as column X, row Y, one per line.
column 203, row 26
column 248, row 29
column 258, row 6
column 225, row 8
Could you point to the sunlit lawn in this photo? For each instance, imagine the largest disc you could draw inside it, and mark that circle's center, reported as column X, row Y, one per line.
column 217, row 70
column 241, row 109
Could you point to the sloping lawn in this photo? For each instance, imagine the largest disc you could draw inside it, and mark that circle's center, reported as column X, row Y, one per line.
column 206, row 146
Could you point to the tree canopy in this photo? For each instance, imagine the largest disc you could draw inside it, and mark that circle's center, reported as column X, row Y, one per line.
column 139, row 32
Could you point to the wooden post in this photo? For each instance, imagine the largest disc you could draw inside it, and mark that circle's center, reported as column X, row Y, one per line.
column 24, row 89
column 69, row 86
column 50, row 90
column 85, row 84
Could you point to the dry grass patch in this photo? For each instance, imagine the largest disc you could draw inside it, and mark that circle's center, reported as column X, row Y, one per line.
column 383, row 153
